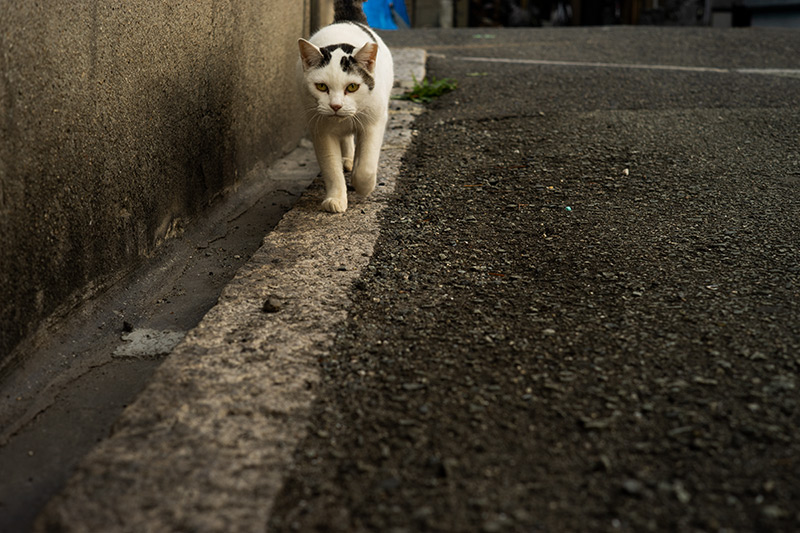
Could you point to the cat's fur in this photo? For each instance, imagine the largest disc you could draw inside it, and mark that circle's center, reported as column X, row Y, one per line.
column 346, row 125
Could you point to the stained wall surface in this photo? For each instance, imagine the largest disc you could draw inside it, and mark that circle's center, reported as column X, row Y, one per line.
column 119, row 123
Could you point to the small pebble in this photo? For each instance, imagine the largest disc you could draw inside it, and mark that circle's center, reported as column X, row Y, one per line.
column 681, row 493
column 633, row 486
column 603, row 463
column 271, row 305
column 773, row 511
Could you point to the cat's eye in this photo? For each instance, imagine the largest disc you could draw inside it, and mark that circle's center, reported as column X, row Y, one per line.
column 321, row 87
column 353, row 87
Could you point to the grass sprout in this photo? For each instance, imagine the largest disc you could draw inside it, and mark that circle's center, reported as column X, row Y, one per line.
column 426, row 90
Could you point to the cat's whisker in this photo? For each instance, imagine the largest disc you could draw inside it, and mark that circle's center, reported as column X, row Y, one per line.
column 361, row 125
column 313, row 120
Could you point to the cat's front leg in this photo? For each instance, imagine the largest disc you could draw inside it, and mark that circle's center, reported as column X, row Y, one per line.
column 368, row 151
column 329, row 157
column 348, row 151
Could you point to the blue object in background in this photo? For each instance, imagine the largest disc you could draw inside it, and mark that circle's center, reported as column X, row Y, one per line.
column 386, row 14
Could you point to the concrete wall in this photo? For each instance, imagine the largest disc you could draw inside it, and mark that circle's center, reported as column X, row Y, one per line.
column 119, row 123
column 321, row 14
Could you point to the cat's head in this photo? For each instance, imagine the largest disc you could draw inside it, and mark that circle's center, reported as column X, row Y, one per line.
column 339, row 76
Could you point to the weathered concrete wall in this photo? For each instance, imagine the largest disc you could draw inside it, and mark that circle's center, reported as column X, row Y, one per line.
column 321, row 14
column 119, row 123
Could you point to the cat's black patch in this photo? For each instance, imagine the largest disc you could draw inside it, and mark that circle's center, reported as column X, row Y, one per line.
column 326, row 58
column 346, row 48
column 348, row 62
column 350, row 65
column 327, row 52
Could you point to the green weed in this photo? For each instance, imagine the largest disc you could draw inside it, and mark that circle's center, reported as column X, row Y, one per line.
column 426, row 90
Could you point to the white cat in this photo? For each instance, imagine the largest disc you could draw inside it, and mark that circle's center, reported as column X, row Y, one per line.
column 347, row 76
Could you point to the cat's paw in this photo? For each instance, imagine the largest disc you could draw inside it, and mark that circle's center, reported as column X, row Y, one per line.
column 347, row 163
column 335, row 205
column 364, row 182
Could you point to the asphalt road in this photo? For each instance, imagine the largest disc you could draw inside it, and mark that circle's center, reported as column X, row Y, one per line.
column 582, row 313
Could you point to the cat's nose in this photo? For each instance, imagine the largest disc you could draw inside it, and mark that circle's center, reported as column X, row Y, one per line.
column 336, row 107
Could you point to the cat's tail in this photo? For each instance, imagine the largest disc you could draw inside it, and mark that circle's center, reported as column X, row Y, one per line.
column 349, row 11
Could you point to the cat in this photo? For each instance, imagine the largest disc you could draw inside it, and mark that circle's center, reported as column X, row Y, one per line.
column 346, row 74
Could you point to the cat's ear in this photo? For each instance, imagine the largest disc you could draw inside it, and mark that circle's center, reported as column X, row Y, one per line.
column 309, row 53
column 366, row 56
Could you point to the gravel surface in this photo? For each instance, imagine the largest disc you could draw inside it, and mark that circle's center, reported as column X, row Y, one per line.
column 583, row 312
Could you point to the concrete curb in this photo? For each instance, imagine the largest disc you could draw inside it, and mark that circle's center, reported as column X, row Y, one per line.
column 207, row 444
